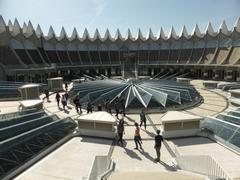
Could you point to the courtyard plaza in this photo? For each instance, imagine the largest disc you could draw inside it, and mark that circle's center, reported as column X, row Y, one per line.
column 73, row 160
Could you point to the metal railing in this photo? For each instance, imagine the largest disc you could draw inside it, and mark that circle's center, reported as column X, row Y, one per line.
column 204, row 165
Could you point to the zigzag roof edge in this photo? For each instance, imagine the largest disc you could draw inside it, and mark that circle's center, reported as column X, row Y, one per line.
column 62, row 34
column 29, row 30
column 209, row 30
column 2, row 25
column 237, row 25
column 51, row 33
column 150, row 35
column 10, row 25
column 107, row 35
column 196, row 31
column 172, row 33
column 161, row 34
column 16, row 28
column 140, row 35
column 74, row 34
column 85, row 35
column 118, row 35
column 24, row 28
column 223, row 28
column 96, row 35
column 129, row 35
column 38, row 31
column 184, row 32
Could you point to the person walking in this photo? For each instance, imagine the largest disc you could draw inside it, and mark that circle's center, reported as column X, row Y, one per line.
column 66, row 86
column 64, row 101
column 117, row 107
column 143, row 119
column 120, row 130
column 122, row 106
column 76, row 101
column 58, row 98
column 158, row 144
column 47, row 94
column 137, row 137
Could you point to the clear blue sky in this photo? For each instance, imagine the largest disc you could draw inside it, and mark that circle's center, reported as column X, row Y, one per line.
column 122, row 14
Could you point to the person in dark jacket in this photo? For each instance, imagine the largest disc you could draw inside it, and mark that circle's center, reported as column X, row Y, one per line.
column 58, row 97
column 143, row 118
column 120, row 129
column 76, row 101
column 158, row 144
column 89, row 107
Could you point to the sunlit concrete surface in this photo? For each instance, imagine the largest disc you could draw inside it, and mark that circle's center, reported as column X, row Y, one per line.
column 72, row 161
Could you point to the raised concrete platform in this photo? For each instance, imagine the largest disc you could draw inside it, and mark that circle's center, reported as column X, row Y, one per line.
column 179, row 124
column 210, row 84
column 185, row 81
column 99, row 124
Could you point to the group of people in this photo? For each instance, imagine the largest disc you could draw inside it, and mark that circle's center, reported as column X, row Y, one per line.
column 63, row 99
column 138, row 139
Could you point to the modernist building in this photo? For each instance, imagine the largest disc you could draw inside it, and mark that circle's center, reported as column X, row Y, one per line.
column 27, row 54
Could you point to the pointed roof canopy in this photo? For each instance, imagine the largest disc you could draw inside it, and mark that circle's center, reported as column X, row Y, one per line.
column 118, row 35
column 150, row 35
column 74, row 34
column 51, row 33
column 29, row 30
column 107, row 35
column 85, row 35
column 129, row 35
column 96, row 35
column 38, row 31
column 184, row 32
column 24, row 28
column 2, row 25
column 139, row 35
column 237, row 25
column 196, row 31
column 209, row 29
column 161, row 34
column 16, row 28
column 10, row 26
column 223, row 28
column 172, row 33
column 63, row 34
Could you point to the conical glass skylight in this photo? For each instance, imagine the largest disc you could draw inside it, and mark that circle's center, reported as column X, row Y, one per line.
column 136, row 93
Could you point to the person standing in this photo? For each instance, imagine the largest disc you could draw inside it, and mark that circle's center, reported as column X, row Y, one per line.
column 64, row 101
column 117, row 107
column 123, row 106
column 47, row 95
column 137, row 137
column 120, row 129
column 89, row 107
column 58, row 98
column 143, row 119
column 66, row 86
column 158, row 144
column 76, row 101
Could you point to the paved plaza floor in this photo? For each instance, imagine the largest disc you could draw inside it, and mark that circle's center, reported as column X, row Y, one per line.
column 73, row 160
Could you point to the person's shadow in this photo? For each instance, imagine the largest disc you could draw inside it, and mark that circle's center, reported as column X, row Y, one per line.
column 129, row 152
column 147, row 155
column 169, row 168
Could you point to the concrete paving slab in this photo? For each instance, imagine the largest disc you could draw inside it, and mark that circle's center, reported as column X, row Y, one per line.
column 72, row 160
